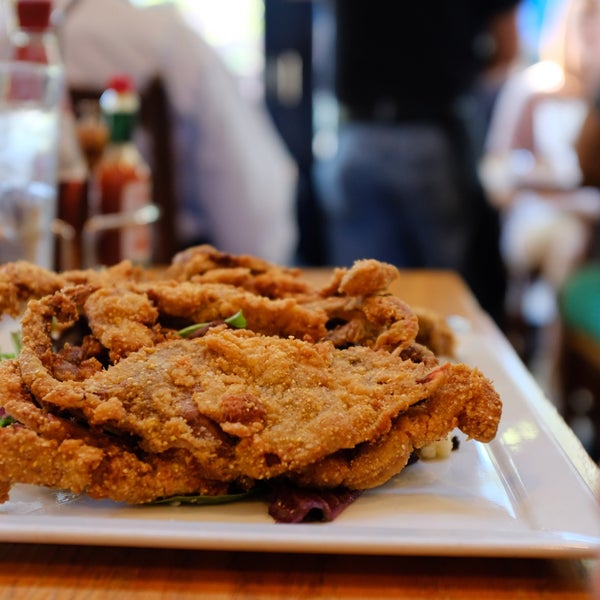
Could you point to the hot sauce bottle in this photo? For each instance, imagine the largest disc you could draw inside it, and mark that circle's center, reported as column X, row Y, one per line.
column 92, row 132
column 121, row 180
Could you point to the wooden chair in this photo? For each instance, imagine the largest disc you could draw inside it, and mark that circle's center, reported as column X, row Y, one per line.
column 155, row 120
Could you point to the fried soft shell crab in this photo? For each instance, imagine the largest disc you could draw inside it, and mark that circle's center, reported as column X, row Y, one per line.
column 329, row 388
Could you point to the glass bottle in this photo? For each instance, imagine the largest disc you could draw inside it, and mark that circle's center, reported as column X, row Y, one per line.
column 34, row 40
column 121, row 180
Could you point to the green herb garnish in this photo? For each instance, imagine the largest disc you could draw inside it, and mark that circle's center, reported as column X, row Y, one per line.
column 6, row 420
column 237, row 321
column 17, row 341
column 17, row 345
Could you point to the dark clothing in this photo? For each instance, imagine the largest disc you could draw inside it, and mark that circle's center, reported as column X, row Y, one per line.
column 416, row 55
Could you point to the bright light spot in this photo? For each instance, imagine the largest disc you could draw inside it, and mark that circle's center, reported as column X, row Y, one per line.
column 523, row 431
column 545, row 76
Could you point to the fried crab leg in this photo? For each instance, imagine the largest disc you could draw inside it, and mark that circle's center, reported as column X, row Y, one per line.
column 21, row 281
column 206, row 264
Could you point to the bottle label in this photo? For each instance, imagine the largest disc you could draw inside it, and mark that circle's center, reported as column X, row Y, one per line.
column 136, row 240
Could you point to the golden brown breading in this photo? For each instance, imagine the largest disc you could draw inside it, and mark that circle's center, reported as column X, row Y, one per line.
column 45, row 449
column 353, row 308
column 243, row 404
column 206, row 264
column 107, row 472
column 435, row 332
column 466, row 400
column 121, row 320
column 365, row 277
column 21, row 281
column 325, row 387
column 206, row 302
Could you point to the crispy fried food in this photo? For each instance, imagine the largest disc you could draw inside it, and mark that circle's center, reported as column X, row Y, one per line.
column 121, row 320
column 205, row 264
column 203, row 284
column 238, row 364
column 435, row 332
column 21, row 281
column 205, row 302
column 46, row 449
column 325, row 387
column 353, row 309
column 242, row 404
column 465, row 399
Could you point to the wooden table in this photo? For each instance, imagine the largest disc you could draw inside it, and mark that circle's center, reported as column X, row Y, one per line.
column 49, row 572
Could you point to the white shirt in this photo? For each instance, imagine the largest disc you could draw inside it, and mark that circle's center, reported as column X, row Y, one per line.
column 236, row 181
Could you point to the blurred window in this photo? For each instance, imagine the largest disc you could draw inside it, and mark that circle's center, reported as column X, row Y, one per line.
column 533, row 14
column 235, row 28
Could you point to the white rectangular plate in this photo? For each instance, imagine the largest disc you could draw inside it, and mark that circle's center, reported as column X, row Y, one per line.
column 528, row 493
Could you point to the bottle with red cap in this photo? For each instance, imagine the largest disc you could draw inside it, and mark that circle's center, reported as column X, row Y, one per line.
column 122, row 180
column 34, row 40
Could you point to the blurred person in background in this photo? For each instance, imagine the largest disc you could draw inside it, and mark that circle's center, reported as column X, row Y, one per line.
column 532, row 174
column 403, row 185
column 235, row 180
column 587, row 144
